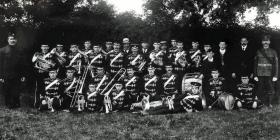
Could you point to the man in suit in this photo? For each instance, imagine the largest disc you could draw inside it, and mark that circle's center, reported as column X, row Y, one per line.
column 243, row 60
column 11, row 72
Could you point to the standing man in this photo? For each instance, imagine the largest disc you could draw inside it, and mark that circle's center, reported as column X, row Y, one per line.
column 243, row 60
column 11, row 72
column 126, row 46
column 266, row 69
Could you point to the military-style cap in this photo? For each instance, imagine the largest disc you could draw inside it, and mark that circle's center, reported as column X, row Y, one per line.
column 91, row 85
column 44, row 45
column 173, row 40
column 125, row 40
column 156, row 43
column 168, row 65
column 53, row 69
column 135, row 45
column 119, row 83
column 163, row 42
column 196, row 84
column 214, row 70
column 59, row 45
column 109, row 43
column 72, row 69
column 130, row 67
column 11, row 35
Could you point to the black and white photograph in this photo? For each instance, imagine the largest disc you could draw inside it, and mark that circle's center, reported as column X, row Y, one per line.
column 139, row 69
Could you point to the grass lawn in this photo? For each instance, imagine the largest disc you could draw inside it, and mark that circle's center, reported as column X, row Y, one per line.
column 248, row 124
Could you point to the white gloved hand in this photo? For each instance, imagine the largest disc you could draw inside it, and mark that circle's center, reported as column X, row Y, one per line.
column 2, row 80
column 274, row 79
column 256, row 79
column 233, row 75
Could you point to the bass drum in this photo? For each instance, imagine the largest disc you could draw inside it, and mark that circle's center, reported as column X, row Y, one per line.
column 226, row 101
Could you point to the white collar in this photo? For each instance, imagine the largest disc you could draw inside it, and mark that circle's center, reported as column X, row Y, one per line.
column 244, row 47
column 210, row 60
column 223, row 51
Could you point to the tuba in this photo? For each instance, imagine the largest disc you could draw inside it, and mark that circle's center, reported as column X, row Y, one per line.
column 41, row 63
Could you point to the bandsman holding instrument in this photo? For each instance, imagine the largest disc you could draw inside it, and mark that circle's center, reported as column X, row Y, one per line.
column 108, row 47
column 132, row 86
column 173, row 49
column 152, row 85
column 69, row 85
column 96, row 58
column 43, row 62
column 169, row 81
column 180, row 60
column 51, row 96
column 135, row 59
column 75, row 59
column 126, row 46
column 195, row 56
column 115, row 59
column 157, row 58
column 206, row 48
column 94, row 100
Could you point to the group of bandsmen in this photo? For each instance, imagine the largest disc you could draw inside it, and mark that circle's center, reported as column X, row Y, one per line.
column 118, row 76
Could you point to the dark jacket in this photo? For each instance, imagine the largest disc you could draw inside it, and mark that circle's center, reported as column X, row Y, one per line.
column 11, row 62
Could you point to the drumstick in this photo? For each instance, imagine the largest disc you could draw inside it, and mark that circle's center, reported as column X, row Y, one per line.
column 213, row 103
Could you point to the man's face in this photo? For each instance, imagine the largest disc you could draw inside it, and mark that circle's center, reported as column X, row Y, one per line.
column 266, row 43
column 180, row 46
column 96, row 49
column 45, row 49
column 173, row 43
column 126, row 45
column 145, row 45
column 109, row 46
column 73, row 49
column 70, row 74
column 245, row 80
column 117, row 48
column 215, row 74
column 156, row 45
column 195, row 90
column 210, row 54
column 168, row 69
column 100, row 71
column 244, row 41
column 52, row 74
column 59, row 48
column 134, row 49
column 195, row 45
column 12, row 41
column 164, row 47
column 130, row 72
column 87, row 45
column 119, row 87
column 206, row 48
column 151, row 71
column 92, row 88
column 222, row 45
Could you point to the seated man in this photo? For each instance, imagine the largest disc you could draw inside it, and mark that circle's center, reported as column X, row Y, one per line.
column 94, row 100
column 246, row 96
column 50, row 97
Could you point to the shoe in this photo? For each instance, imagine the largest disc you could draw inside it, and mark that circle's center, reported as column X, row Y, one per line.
column 66, row 110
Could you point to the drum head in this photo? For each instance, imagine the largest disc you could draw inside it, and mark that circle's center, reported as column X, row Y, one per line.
column 226, row 101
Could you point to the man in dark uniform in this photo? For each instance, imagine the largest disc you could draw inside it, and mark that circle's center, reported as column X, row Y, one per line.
column 215, row 87
column 169, row 82
column 246, row 95
column 96, row 58
column 135, row 59
column 87, row 47
column 75, row 59
column 173, row 49
column 126, row 46
column 266, row 69
column 51, row 96
column 115, row 59
column 61, row 57
column 157, row 58
column 180, row 61
column 11, row 72
column 195, row 57
column 69, row 86
column 132, row 86
column 145, row 50
column 152, row 85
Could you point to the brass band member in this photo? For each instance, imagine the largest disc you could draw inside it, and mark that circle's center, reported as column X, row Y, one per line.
column 132, row 86
column 115, row 59
column 69, row 86
column 135, row 59
column 246, row 95
column 108, row 47
column 180, row 60
column 206, row 48
column 96, row 58
column 87, row 47
column 126, row 46
column 170, row 84
column 94, row 100
column 51, row 96
column 152, row 85
column 43, row 62
column 75, row 59
column 61, row 57
column 117, row 97
column 157, row 58
column 195, row 56
column 173, row 49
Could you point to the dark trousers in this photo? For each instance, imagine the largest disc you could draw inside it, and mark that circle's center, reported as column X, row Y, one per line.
column 39, row 87
column 266, row 88
column 11, row 92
